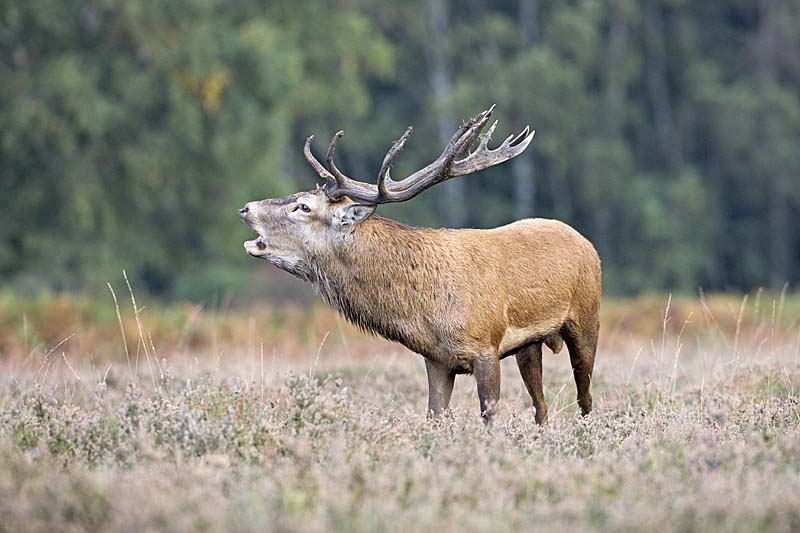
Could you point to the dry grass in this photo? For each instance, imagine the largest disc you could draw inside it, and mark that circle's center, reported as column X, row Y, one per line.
column 697, row 426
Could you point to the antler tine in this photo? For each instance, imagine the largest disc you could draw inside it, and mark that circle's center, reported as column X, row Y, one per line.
column 336, row 183
column 439, row 170
column 316, row 165
column 521, row 136
column 388, row 160
column 486, row 138
column 332, row 149
column 484, row 157
column 341, row 179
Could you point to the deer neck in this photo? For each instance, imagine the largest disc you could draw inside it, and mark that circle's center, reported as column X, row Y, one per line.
column 377, row 277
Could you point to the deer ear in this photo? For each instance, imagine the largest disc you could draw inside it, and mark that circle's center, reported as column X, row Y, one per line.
column 351, row 214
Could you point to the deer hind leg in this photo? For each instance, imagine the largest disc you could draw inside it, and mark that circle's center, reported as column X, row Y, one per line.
column 487, row 375
column 582, row 345
column 440, row 387
column 529, row 361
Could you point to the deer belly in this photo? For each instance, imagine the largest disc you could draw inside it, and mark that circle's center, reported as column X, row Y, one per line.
column 515, row 337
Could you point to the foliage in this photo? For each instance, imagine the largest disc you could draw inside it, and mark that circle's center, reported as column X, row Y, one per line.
column 667, row 131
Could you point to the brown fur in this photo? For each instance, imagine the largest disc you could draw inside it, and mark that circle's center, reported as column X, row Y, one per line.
column 452, row 294
column 463, row 299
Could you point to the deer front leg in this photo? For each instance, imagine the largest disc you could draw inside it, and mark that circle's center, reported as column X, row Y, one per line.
column 487, row 374
column 440, row 387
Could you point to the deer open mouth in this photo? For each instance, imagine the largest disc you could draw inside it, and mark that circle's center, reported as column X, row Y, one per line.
column 256, row 247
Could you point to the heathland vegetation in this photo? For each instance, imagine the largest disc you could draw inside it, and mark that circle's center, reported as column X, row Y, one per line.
column 204, row 420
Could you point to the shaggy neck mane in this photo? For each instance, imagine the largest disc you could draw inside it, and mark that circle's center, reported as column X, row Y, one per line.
column 370, row 275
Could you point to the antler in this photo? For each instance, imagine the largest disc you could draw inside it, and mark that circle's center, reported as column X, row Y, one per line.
column 446, row 166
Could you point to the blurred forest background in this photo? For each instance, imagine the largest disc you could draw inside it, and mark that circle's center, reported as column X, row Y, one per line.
column 668, row 131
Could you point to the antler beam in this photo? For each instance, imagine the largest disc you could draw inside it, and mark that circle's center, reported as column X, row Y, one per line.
column 446, row 166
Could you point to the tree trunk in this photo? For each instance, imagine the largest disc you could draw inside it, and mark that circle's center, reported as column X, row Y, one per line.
column 656, row 80
column 522, row 168
column 768, row 47
column 612, row 113
column 453, row 195
column 614, row 90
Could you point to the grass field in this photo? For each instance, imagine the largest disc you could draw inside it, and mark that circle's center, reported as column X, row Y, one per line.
column 292, row 421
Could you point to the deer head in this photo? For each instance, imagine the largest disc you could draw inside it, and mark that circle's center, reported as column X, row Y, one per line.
column 294, row 230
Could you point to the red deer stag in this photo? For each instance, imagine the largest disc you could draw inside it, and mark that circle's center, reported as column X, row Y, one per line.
column 461, row 298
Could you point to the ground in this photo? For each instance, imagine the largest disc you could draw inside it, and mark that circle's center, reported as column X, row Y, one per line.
column 697, row 429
